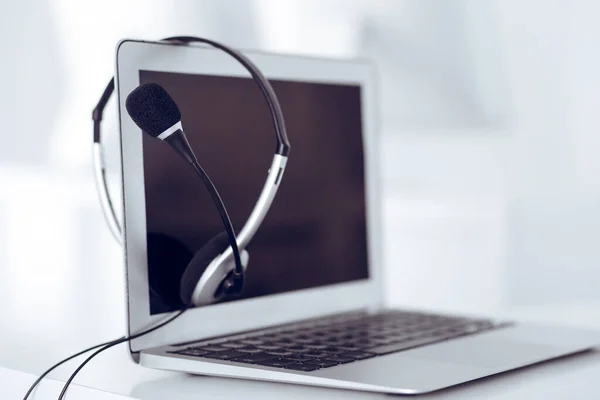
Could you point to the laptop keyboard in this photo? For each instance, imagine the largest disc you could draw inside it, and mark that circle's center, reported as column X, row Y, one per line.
column 342, row 339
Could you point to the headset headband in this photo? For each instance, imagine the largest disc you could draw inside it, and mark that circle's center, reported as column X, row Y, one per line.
column 216, row 270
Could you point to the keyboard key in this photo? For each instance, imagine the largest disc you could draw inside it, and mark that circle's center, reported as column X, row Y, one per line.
column 335, row 350
column 204, row 343
column 305, row 340
column 211, row 348
column 297, row 349
column 350, row 348
column 285, row 334
column 303, row 335
column 250, row 350
column 364, row 343
column 280, row 353
column 317, row 354
column 283, row 341
column 358, row 355
column 234, row 345
column 270, row 336
column 399, row 338
column 254, row 358
column 267, row 347
column 335, row 342
column 299, row 357
column 322, row 363
column 192, row 352
column 225, row 355
column 301, row 367
column 320, row 335
column 252, row 341
column 338, row 359
column 277, row 362
column 316, row 346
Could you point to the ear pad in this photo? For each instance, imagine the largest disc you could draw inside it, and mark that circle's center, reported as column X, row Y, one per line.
column 198, row 264
column 167, row 260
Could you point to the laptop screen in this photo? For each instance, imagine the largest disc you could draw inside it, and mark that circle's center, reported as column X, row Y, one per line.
column 315, row 231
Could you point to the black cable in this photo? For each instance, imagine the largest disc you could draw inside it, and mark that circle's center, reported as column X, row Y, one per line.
column 108, row 345
column 74, row 374
column 52, row 368
column 105, row 346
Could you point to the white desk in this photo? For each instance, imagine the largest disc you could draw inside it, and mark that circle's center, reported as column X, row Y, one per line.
column 16, row 383
column 62, row 281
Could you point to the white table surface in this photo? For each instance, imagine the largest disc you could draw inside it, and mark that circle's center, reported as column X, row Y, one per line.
column 62, row 284
column 16, row 383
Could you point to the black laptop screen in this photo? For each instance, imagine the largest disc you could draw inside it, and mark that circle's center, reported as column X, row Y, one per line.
column 315, row 231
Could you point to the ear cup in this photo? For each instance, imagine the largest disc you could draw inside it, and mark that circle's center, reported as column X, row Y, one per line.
column 167, row 260
column 196, row 267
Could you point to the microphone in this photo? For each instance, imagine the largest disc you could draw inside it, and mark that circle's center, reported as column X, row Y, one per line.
column 155, row 112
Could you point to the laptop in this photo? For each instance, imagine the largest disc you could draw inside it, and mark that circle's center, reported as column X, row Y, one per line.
column 312, row 311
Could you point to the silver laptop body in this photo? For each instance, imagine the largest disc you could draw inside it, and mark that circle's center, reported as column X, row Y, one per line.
column 330, row 108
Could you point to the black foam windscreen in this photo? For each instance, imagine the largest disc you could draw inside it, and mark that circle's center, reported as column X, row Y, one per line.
column 215, row 246
column 152, row 109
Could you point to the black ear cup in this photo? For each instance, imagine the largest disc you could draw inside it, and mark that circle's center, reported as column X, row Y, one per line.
column 196, row 267
column 167, row 261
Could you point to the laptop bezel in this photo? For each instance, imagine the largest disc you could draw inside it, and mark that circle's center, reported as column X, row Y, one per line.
column 221, row 319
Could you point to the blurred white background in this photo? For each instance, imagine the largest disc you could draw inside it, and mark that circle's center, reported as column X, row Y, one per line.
column 489, row 142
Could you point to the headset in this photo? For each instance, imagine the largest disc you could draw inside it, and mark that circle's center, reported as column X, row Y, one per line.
column 211, row 275
column 216, row 270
